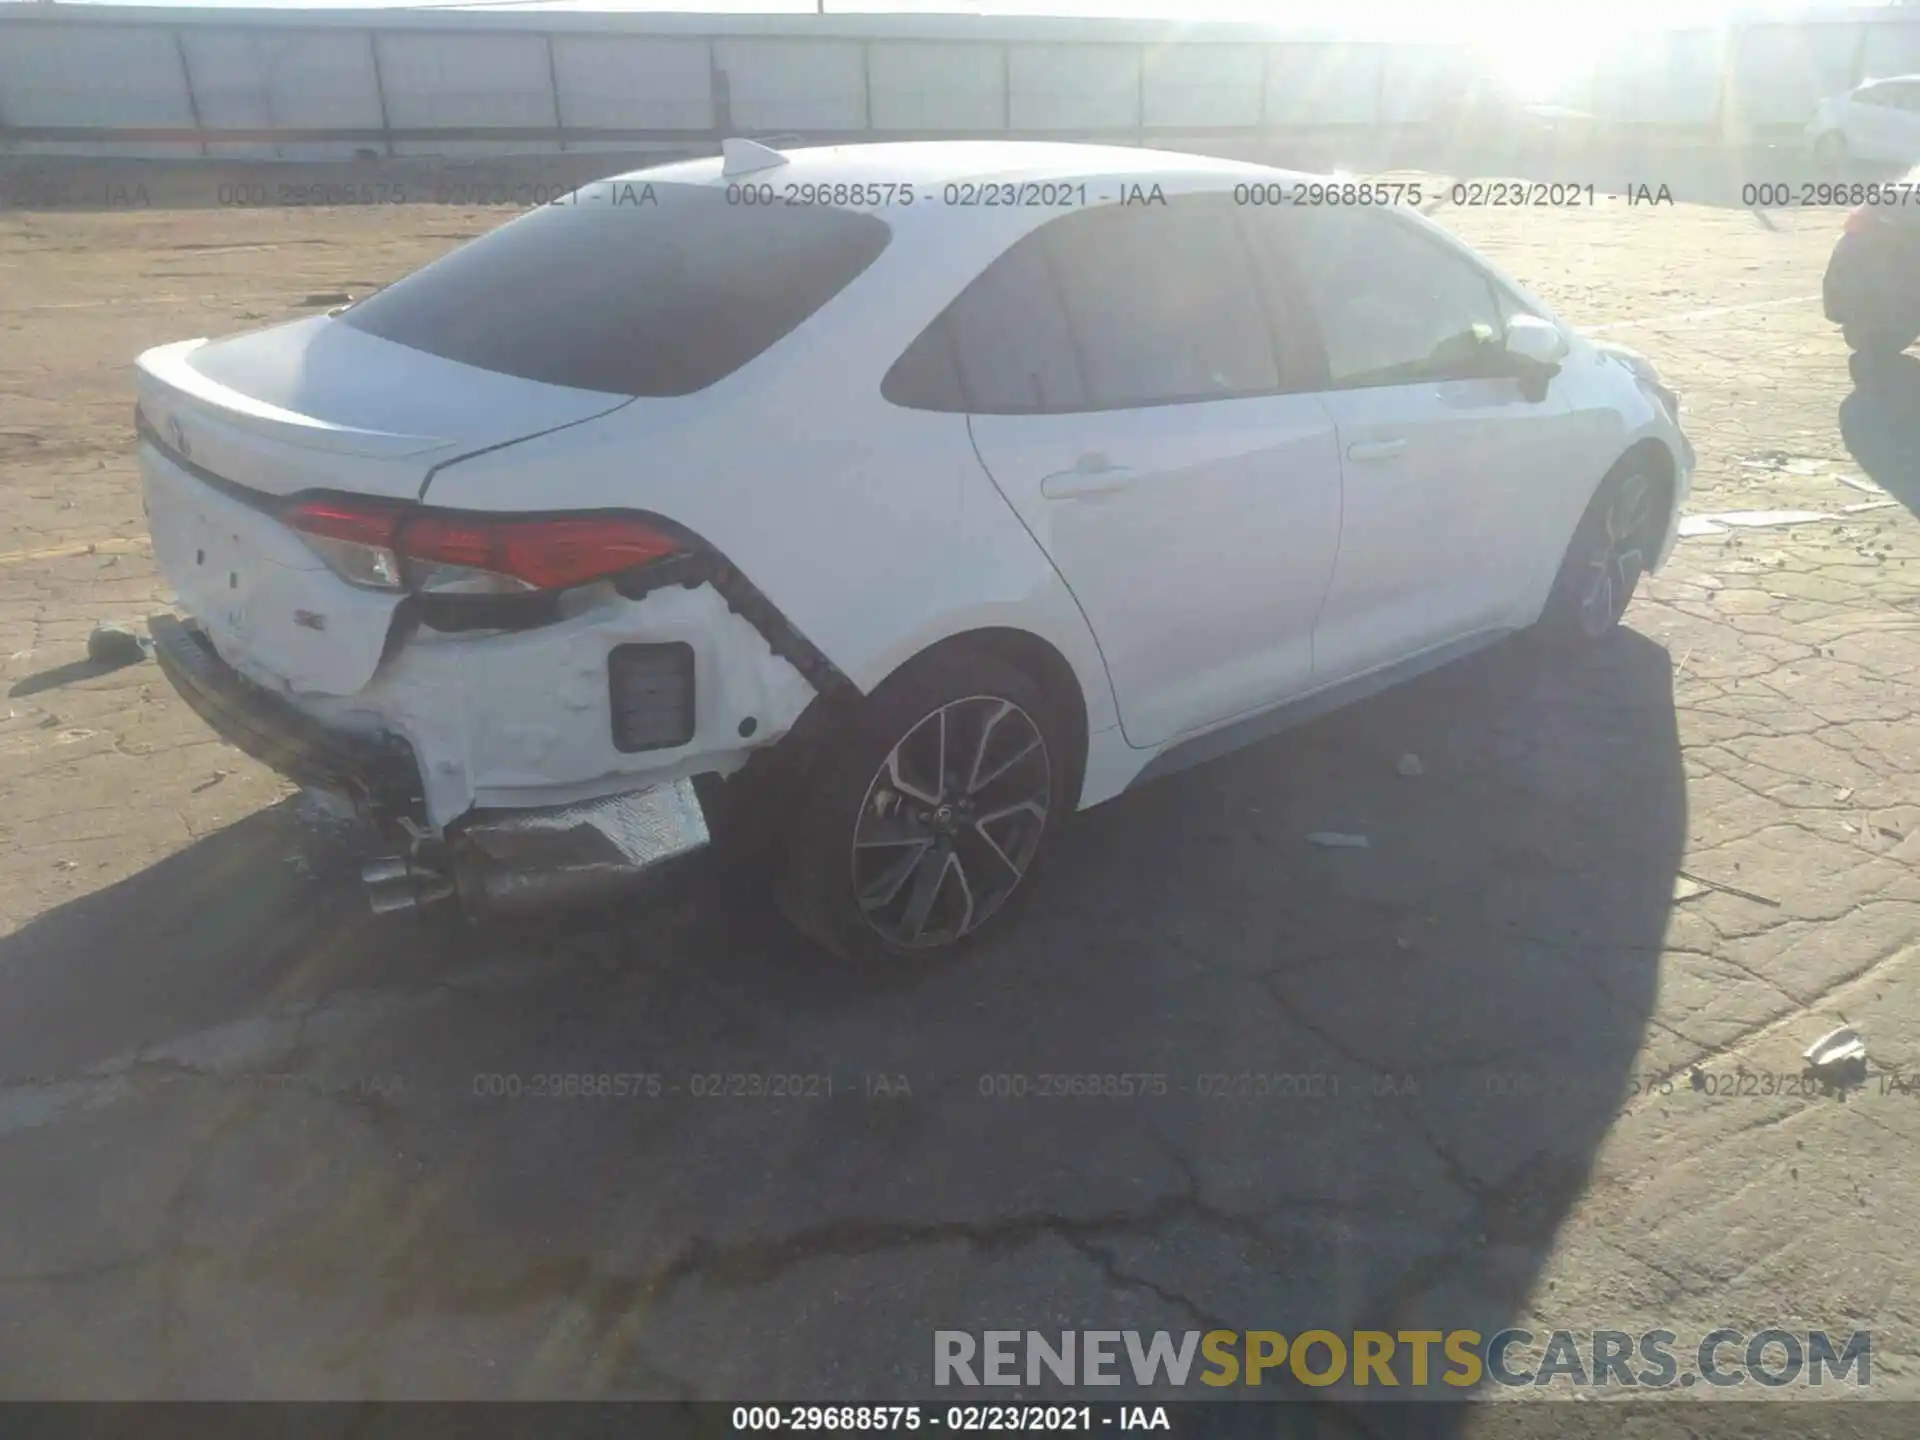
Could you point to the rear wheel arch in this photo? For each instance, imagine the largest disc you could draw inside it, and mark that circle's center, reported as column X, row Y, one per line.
column 1042, row 662
column 863, row 780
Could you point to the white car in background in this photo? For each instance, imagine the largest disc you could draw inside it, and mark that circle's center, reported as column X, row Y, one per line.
column 881, row 504
column 1877, row 120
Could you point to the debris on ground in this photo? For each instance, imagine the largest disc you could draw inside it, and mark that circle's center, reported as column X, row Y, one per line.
column 1749, row 520
column 1687, row 889
column 112, row 644
column 329, row 297
column 1727, row 889
column 1410, row 765
column 1337, row 840
column 1837, row 1050
column 211, row 781
column 1860, row 483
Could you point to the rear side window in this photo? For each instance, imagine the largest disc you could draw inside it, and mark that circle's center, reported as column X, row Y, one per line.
column 1003, row 348
column 1111, row 308
column 627, row 287
column 1163, row 304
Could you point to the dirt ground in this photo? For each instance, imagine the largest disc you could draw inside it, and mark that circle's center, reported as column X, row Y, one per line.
column 247, row 1140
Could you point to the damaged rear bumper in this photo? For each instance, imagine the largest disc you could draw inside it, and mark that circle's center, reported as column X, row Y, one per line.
column 499, row 862
column 521, row 862
column 378, row 772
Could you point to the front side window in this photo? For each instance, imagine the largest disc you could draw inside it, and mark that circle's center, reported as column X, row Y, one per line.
column 627, row 287
column 1394, row 306
column 1110, row 308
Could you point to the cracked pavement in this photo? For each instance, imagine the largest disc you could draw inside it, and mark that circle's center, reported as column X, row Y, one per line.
column 244, row 1145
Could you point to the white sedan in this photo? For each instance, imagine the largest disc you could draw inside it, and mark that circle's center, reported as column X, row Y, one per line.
column 1877, row 120
column 870, row 509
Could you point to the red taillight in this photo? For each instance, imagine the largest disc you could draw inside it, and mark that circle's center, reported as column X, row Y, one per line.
column 354, row 538
column 543, row 554
column 367, row 543
column 344, row 520
column 1859, row 218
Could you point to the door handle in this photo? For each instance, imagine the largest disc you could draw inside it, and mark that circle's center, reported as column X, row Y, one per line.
column 1092, row 475
column 1375, row 449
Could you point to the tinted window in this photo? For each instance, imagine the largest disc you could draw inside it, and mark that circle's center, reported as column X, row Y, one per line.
column 1394, row 306
column 1103, row 309
column 1162, row 303
column 633, row 289
column 1011, row 342
column 925, row 377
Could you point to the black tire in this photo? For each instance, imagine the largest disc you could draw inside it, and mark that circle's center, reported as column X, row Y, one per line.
column 963, row 686
column 1877, row 341
column 1611, row 548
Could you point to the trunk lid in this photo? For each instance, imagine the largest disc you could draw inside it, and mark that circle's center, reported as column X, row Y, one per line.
column 237, row 425
column 315, row 404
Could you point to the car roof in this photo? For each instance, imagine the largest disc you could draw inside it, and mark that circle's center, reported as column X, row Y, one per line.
column 943, row 162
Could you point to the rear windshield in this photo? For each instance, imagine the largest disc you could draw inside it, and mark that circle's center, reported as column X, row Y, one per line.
column 627, row 286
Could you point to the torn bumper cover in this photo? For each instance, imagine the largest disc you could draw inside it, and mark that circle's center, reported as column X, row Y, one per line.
column 377, row 771
column 503, row 862
column 526, row 861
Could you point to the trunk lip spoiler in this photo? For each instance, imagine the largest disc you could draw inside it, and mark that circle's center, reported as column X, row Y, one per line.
column 167, row 365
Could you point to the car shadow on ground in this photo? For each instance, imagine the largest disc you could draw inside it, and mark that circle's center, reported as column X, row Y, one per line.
column 1880, row 423
column 259, row 1143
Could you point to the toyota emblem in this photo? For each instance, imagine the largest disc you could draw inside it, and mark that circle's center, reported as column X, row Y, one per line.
column 178, row 435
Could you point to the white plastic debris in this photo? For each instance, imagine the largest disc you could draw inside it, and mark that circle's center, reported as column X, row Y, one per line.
column 1764, row 519
column 1748, row 520
column 1867, row 505
column 1860, row 483
column 1699, row 525
column 1839, row 1047
column 1410, row 765
column 1337, row 840
column 1685, row 889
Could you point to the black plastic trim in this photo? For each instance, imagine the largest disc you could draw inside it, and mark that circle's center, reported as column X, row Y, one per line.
column 703, row 565
column 683, row 659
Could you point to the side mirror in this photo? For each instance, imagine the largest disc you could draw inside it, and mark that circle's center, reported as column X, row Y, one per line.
column 1537, row 350
column 1537, row 342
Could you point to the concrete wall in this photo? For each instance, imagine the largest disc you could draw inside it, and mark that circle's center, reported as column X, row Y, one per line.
column 313, row 85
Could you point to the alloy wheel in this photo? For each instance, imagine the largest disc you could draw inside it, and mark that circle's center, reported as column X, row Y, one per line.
column 1619, row 557
column 951, row 821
